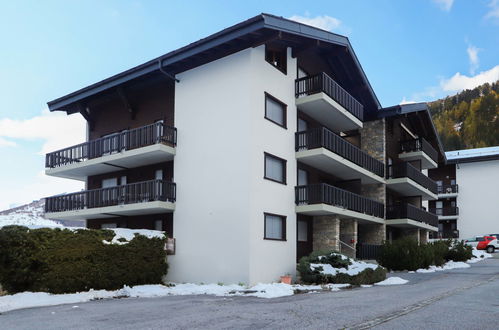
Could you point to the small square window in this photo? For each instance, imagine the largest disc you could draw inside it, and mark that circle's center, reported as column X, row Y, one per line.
column 275, row 227
column 275, row 110
column 277, row 57
column 275, row 168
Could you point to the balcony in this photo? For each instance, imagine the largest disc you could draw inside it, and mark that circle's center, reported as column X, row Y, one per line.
column 324, row 199
column 323, row 99
column 132, row 148
column 419, row 149
column 148, row 197
column 407, row 180
column 410, row 216
column 327, row 151
column 444, row 234
column 446, row 213
column 448, row 191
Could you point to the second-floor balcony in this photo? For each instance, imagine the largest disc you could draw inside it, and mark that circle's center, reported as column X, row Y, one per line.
column 420, row 150
column 323, row 99
column 446, row 213
column 407, row 180
column 447, row 190
column 324, row 199
column 410, row 216
column 147, row 197
column 122, row 150
column 327, row 151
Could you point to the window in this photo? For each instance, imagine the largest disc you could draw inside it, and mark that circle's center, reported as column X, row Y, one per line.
column 275, row 168
column 302, row 125
column 158, row 225
column 277, row 57
column 275, row 110
column 108, row 183
column 302, row 231
column 275, row 227
column 302, row 177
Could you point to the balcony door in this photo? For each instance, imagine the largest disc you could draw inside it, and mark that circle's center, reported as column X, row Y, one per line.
column 304, row 233
column 109, row 192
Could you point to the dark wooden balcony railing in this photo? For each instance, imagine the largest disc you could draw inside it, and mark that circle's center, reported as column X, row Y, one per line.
column 323, row 83
column 121, row 141
column 419, row 144
column 368, row 251
column 324, row 138
column 411, row 212
column 140, row 192
column 406, row 170
column 448, row 189
column 326, row 194
column 444, row 234
column 445, row 211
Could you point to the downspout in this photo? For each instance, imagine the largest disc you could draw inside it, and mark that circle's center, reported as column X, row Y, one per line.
column 169, row 75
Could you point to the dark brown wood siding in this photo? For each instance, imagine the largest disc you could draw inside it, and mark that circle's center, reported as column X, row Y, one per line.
column 137, row 222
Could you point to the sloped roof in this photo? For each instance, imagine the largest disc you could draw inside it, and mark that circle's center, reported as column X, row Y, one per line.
column 196, row 54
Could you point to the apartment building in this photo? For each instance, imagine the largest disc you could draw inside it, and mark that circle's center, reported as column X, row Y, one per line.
column 467, row 202
column 251, row 148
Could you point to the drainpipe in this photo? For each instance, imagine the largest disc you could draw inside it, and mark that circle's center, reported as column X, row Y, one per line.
column 169, row 75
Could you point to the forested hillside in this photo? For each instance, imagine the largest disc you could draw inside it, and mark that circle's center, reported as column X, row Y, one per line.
column 468, row 119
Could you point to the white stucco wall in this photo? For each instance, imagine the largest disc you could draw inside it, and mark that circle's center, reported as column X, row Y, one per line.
column 219, row 169
column 478, row 198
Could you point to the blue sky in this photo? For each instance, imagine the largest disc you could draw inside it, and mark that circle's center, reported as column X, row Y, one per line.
column 410, row 51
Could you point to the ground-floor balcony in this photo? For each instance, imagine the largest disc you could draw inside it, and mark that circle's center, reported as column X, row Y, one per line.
column 136, row 147
column 419, row 150
column 323, row 99
column 328, row 152
column 448, row 191
column 324, row 199
column 407, row 180
column 141, row 198
column 444, row 234
column 410, row 216
column 446, row 213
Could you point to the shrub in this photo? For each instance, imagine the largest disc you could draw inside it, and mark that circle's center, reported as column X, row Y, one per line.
column 62, row 260
column 440, row 251
column 459, row 251
column 367, row 276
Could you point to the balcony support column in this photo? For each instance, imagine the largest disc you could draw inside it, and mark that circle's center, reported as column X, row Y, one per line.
column 413, row 233
column 423, row 236
column 348, row 236
column 326, row 235
column 371, row 233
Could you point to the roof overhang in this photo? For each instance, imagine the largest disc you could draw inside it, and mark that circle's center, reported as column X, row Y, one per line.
column 252, row 31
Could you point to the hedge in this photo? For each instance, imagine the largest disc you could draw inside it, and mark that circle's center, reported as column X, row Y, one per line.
column 65, row 261
column 408, row 254
column 307, row 275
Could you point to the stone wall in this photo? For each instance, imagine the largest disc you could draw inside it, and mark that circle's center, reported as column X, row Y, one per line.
column 423, row 236
column 371, row 233
column 412, row 233
column 348, row 236
column 326, row 234
column 373, row 139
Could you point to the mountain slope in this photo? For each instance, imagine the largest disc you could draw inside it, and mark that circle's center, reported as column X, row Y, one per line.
column 469, row 119
column 30, row 215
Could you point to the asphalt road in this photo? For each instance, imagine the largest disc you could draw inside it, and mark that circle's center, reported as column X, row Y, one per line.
column 455, row 299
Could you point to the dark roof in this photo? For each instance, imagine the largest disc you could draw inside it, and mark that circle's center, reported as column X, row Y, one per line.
column 472, row 155
column 412, row 108
column 175, row 61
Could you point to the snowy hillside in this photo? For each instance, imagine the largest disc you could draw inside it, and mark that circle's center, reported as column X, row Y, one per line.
column 30, row 215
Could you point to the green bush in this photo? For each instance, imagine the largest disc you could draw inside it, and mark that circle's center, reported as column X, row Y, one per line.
column 459, row 252
column 63, row 261
column 367, row 276
column 408, row 254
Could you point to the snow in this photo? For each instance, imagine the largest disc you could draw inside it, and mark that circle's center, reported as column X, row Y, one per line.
column 447, row 266
column 392, row 281
column 124, row 235
column 468, row 153
column 29, row 215
column 354, row 269
column 479, row 255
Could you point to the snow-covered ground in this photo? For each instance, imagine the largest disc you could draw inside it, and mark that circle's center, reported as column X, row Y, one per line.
column 29, row 215
column 479, row 256
column 392, row 281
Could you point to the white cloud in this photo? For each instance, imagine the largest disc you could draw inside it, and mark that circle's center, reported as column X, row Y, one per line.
column 445, row 5
column 323, row 22
column 56, row 130
column 6, row 143
column 493, row 13
column 473, row 57
column 406, row 101
column 459, row 82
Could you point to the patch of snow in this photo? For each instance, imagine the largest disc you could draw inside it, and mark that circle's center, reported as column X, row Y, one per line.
column 354, row 269
column 366, row 285
column 447, row 266
column 392, row 281
column 124, row 235
column 479, row 255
